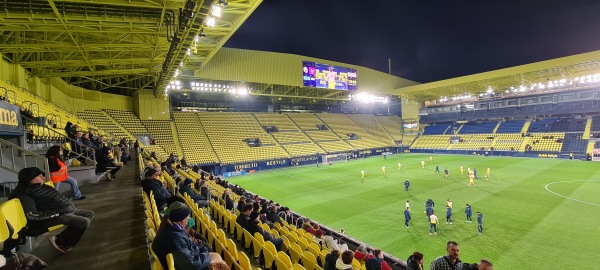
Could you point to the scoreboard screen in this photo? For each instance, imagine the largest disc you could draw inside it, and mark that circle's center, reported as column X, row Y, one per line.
column 328, row 77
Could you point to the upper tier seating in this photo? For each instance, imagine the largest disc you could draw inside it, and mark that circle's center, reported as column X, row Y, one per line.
column 227, row 131
column 281, row 121
column 565, row 125
column 478, row 128
column 438, row 129
column 595, row 123
column 542, row 125
column 512, row 126
column 194, row 143
column 129, row 121
column 432, row 142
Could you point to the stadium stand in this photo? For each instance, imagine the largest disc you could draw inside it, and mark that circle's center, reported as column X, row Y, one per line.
column 507, row 142
column 542, row 125
column 546, row 142
column 227, row 132
column 161, row 131
column 566, row 125
column 102, row 121
column 512, row 126
column 595, row 123
column 129, row 121
column 371, row 124
column 441, row 142
column 476, row 128
column 289, row 136
column 473, row 142
column 194, row 142
column 437, row 129
column 343, row 126
column 573, row 143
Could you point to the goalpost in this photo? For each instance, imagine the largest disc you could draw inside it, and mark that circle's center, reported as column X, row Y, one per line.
column 334, row 158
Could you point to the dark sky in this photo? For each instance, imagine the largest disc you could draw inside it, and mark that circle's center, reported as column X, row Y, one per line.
column 426, row 40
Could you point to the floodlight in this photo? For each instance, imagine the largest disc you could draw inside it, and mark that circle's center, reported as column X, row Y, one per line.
column 210, row 21
column 216, row 11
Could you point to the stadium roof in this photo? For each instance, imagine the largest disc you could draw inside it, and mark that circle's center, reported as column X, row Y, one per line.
column 569, row 68
column 115, row 45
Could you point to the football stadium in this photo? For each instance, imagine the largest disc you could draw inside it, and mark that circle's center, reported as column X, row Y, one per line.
column 178, row 152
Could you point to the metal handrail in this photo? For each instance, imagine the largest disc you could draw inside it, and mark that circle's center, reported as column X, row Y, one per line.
column 13, row 155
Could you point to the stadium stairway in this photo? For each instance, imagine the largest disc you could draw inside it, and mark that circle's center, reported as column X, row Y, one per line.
column 176, row 139
column 457, row 130
column 497, row 126
column 525, row 128
column 588, row 129
column 115, row 239
column 107, row 115
column 525, row 142
column 590, row 146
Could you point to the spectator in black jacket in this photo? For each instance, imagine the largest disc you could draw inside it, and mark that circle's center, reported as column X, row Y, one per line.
column 105, row 162
column 273, row 215
column 252, row 227
column 45, row 207
column 415, row 261
column 186, row 188
column 244, row 215
column 162, row 197
column 228, row 201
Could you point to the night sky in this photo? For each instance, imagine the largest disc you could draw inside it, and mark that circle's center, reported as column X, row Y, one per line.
column 427, row 40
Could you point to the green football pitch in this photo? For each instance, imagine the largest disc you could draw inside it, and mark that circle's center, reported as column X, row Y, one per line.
column 538, row 213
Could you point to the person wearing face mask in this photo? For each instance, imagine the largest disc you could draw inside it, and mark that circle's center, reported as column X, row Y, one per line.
column 59, row 171
column 45, row 207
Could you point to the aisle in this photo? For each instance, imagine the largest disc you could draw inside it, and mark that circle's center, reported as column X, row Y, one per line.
column 116, row 237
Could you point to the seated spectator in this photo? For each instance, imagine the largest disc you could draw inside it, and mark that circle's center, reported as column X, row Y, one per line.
column 252, row 227
column 244, row 215
column 376, row 262
column 70, row 130
column 307, row 226
column 105, row 163
column 194, row 235
column 361, row 253
column 228, row 200
column 330, row 260
column 345, row 261
column 317, row 229
column 241, row 203
column 272, row 215
column 332, row 244
column 162, row 197
column 186, row 188
column 415, row 261
column 45, row 207
column 286, row 215
column 172, row 238
column 60, row 173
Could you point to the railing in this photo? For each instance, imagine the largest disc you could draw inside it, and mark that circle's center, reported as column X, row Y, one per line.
column 15, row 158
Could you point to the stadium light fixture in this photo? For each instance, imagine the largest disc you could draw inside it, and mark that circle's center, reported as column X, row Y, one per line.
column 210, row 21
column 216, row 11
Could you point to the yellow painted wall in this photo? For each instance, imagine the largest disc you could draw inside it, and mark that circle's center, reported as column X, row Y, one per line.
column 71, row 98
column 286, row 69
column 146, row 106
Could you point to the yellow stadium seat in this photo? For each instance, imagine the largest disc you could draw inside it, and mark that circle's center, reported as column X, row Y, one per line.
column 283, row 261
column 170, row 262
column 244, row 261
column 298, row 267
column 257, row 243
column 295, row 252
column 309, row 261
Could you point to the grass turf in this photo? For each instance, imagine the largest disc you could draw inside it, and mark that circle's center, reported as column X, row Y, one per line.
column 525, row 225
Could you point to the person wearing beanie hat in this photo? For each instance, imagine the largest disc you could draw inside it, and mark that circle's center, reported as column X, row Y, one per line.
column 45, row 207
column 162, row 197
column 252, row 227
column 186, row 188
column 172, row 238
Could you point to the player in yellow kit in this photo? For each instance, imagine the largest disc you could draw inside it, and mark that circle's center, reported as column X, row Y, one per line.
column 487, row 172
column 399, row 166
column 430, row 159
column 383, row 170
column 422, row 164
column 462, row 169
column 362, row 175
column 471, row 178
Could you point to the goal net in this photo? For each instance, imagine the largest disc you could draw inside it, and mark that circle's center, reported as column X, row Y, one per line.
column 334, row 158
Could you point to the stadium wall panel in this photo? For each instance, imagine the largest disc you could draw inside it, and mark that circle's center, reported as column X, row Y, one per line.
column 146, row 106
column 285, row 69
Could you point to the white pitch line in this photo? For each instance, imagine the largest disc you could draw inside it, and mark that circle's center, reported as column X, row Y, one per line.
column 566, row 197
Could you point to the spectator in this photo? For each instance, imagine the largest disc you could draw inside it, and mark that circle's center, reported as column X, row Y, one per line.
column 345, row 261
column 244, row 215
column 162, row 197
column 450, row 261
column 241, row 203
column 317, row 229
column 377, row 262
column 286, row 215
column 60, row 173
column 228, row 201
column 186, row 188
column 415, row 261
column 272, row 215
column 194, row 235
column 70, row 130
column 362, row 254
column 172, row 238
column 332, row 244
column 252, row 226
column 183, row 163
column 45, row 207
column 105, row 162
column 330, row 260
